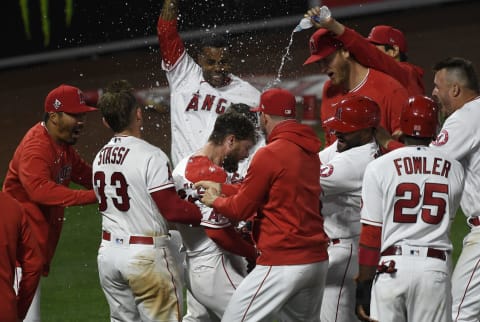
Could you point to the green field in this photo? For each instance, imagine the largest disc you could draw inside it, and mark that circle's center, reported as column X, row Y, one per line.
column 72, row 292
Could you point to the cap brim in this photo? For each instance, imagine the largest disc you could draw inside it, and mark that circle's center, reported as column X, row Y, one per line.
column 82, row 109
column 339, row 126
column 313, row 58
column 325, row 52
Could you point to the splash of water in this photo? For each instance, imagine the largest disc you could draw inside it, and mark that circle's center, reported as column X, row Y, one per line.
column 285, row 56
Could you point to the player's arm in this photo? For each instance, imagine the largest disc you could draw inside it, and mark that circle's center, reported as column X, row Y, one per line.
column 386, row 141
column 175, row 209
column 81, row 172
column 171, row 45
column 31, row 261
column 35, row 175
column 228, row 239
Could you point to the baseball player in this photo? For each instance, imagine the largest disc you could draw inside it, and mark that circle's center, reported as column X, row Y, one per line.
column 457, row 91
column 136, row 196
column 282, row 188
column 42, row 168
column 213, row 273
column 341, row 175
column 410, row 197
column 385, row 49
column 18, row 245
column 349, row 77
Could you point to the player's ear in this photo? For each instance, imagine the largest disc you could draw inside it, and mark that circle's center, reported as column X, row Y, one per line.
column 53, row 117
column 105, row 123
column 455, row 89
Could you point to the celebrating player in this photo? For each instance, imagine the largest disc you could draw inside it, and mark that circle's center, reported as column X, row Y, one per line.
column 282, row 187
column 348, row 77
column 457, row 91
column 343, row 165
column 42, row 168
column 410, row 197
column 18, row 245
column 136, row 196
column 212, row 273
column 385, row 49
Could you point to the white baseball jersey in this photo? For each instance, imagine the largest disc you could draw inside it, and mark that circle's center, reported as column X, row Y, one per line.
column 195, row 104
column 413, row 193
column 460, row 139
column 136, row 262
column 341, row 179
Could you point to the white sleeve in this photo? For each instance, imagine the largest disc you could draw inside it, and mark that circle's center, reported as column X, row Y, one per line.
column 372, row 197
column 185, row 74
column 158, row 174
column 340, row 175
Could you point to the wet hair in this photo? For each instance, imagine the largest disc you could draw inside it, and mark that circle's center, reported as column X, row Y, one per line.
column 117, row 104
column 214, row 40
column 245, row 110
column 235, row 124
column 461, row 69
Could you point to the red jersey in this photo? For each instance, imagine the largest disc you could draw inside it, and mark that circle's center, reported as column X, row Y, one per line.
column 387, row 92
column 19, row 245
column 38, row 177
column 282, row 185
column 367, row 54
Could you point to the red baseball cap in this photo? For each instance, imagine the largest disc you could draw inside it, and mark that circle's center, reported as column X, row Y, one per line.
column 66, row 98
column 387, row 35
column 277, row 101
column 322, row 43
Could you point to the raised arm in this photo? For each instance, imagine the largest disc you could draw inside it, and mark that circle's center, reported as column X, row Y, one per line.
column 171, row 45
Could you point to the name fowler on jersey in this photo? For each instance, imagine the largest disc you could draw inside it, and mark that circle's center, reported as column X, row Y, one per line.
column 207, row 103
column 112, row 155
column 420, row 165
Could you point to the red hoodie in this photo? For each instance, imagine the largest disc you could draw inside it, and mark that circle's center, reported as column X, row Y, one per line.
column 282, row 184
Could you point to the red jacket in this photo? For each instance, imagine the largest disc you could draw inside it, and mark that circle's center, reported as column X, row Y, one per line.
column 38, row 177
column 17, row 245
column 367, row 54
column 282, row 184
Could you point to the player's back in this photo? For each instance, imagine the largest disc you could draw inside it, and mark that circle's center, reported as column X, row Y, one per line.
column 421, row 192
column 126, row 170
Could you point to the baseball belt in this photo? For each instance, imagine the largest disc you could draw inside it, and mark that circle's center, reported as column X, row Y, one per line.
column 144, row 240
column 397, row 250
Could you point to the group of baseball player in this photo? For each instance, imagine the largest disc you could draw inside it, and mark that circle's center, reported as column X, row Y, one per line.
column 249, row 214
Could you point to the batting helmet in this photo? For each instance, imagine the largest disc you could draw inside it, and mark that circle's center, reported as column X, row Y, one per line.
column 419, row 117
column 354, row 113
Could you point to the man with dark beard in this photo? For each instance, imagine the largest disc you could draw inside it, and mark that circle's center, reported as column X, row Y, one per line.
column 213, row 272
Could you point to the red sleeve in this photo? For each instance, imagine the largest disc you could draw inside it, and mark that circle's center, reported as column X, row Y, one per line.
column 230, row 189
column 393, row 145
column 36, row 177
column 228, row 239
column 368, row 55
column 81, row 171
column 31, row 261
column 171, row 45
column 175, row 209
column 369, row 245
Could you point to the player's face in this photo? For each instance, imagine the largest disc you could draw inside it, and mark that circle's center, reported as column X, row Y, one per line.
column 68, row 127
column 335, row 66
column 441, row 92
column 352, row 139
column 216, row 65
column 239, row 151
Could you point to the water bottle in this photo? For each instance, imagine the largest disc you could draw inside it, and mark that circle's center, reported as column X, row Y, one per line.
column 306, row 23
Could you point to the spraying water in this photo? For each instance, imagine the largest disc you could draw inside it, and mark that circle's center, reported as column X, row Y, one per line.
column 286, row 55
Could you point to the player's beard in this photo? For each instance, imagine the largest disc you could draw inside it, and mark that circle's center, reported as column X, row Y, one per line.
column 230, row 163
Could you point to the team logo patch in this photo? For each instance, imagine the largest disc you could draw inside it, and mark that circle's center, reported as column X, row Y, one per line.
column 442, row 138
column 57, row 104
column 326, row 170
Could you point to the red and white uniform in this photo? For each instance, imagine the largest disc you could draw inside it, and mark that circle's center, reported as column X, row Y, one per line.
column 413, row 194
column 460, row 139
column 387, row 92
column 282, row 187
column 135, row 262
column 213, row 273
column 341, row 176
column 194, row 103
column 367, row 54
column 18, row 246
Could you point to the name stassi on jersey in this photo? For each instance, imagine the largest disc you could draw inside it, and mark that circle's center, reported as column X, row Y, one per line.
column 112, row 155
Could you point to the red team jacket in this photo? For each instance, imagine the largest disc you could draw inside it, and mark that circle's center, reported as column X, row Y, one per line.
column 282, row 186
column 38, row 177
column 387, row 92
column 16, row 244
column 409, row 75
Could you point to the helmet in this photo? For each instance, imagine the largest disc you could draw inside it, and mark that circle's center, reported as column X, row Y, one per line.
column 354, row 113
column 419, row 117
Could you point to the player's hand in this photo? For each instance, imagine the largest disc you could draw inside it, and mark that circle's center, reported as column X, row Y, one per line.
column 209, row 184
column 382, row 137
column 209, row 197
column 362, row 300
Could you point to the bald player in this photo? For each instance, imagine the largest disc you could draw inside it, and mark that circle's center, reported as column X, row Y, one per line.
column 341, row 175
column 136, row 196
column 385, row 49
column 348, row 77
column 410, row 197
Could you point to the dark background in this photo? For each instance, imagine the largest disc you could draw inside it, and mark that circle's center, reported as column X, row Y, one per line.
column 433, row 33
